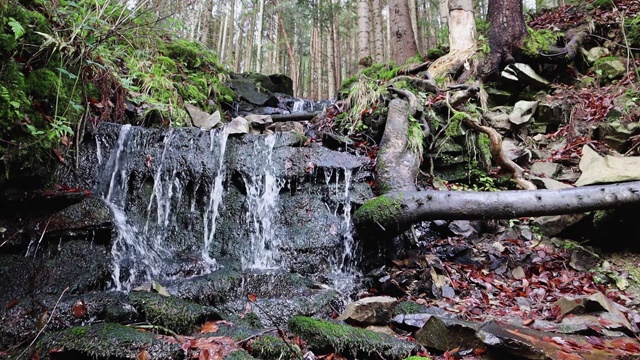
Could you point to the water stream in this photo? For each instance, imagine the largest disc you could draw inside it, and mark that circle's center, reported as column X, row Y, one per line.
column 263, row 189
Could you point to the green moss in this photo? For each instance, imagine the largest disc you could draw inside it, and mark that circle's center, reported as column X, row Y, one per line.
column 632, row 28
column 602, row 4
column 379, row 209
column 271, row 347
column 539, row 40
column 409, row 307
column 106, row 341
column 176, row 314
column 323, row 335
column 415, row 136
column 191, row 54
column 238, row 355
column 484, row 146
column 454, row 128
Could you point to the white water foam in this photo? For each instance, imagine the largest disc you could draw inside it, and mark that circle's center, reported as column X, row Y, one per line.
column 262, row 197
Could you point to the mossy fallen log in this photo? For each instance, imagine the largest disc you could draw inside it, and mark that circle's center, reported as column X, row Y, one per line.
column 395, row 212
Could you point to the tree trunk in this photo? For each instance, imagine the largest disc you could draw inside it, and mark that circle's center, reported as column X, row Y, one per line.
column 293, row 64
column 259, row 39
column 395, row 212
column 331, row 70
column 404, row 44
column 364, row 30
column 462, row 25
column 378, row 49
column 506, row 32
column 205, row 28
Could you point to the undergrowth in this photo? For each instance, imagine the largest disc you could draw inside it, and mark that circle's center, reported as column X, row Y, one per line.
column 66, row 64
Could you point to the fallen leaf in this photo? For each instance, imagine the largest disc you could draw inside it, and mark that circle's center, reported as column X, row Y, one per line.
column 143, row 355
column 252, row 297
column 518, row 273
column 208, row 327
column 79, row 309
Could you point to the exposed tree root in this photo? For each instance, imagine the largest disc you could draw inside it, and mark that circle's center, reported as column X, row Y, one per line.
column 450, row 63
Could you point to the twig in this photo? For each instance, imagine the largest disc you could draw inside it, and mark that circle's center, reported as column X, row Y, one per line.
column 255, row 335
column 158, row 327
column 47, row 323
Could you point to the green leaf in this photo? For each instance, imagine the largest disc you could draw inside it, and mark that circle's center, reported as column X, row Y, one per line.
column 70, row 75
column 16, row 27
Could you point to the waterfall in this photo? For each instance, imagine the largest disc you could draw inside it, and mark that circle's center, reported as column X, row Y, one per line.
column 300, row 105
column 262, row 195
column 145, row 246
column 215, row 197
column 342, row 263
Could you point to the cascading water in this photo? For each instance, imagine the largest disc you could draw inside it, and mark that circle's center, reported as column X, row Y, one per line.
column 262, row 195
column 301, row 105
column 143, row 248
column 215, row 197
column 342, row 264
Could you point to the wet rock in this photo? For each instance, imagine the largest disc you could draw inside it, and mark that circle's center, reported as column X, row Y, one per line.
column 413, row 322
column 108, row 341
column 23, row 318
column 373, row 310
column 174, row 313
column 445, row 334
column 498, row 96
column 514, row 152
column 499, row 120
column 353, row 342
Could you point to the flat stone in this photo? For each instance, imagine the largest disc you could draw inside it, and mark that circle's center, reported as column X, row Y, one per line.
column 545, row 169
column 369, row 311
column 550, row 184
column 598, row 169
column 445, row 334
column 238, row 125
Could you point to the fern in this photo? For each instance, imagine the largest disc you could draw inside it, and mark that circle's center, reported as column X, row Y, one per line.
column 16, row 27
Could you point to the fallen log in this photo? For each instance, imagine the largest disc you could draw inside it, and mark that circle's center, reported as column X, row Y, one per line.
column 295, row 117
column 395, row 212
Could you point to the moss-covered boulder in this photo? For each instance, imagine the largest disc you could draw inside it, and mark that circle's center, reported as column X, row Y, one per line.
column 107, row 341
column 349, row 341
column 174, row 313
column 271, row 347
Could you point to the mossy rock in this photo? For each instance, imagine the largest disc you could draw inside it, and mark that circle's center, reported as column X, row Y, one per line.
column 271, row 347
column 174, row 313
column 322, row 335
column 238, row 355
column 409, row 307
column 107, row 341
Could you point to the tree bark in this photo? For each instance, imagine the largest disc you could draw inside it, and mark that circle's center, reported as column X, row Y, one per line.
column 259, row 39
column 395, row 212
column 378, row 48
column 506, row 32
column 364, row 30
column 462, row 25
column 397, row 165
column 404, row 44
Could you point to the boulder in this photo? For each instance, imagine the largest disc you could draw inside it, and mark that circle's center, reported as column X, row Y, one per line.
column 374, row 310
